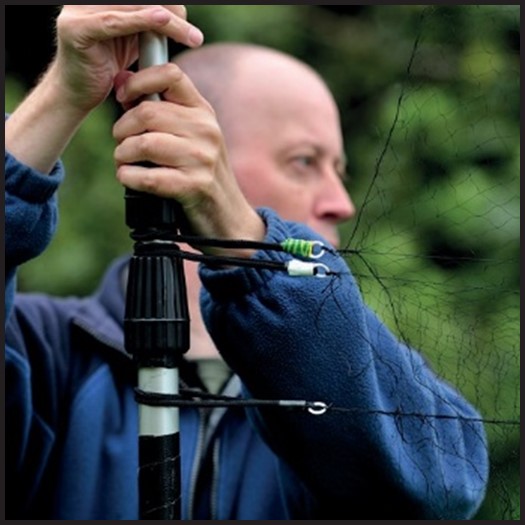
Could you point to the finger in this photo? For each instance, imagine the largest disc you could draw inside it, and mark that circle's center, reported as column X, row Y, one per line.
column 182, row 31
column 161, row 181
column 107, row 24
column 166, row 117
column 167, row 79
column 164, row 149
column 178, row 10
column 156, row 148
column 145, row 117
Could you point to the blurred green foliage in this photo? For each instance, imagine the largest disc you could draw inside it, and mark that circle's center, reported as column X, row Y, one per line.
column 431, row 113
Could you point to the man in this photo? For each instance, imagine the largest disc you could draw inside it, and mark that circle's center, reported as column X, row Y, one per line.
column 277, row 154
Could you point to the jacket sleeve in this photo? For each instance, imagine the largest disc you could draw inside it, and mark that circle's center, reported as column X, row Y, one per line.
column 399, row 443
column 30, row 215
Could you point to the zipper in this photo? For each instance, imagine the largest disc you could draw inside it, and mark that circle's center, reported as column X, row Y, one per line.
column 197, row 458
column 207, row 433
column 215, row 482
column 202, row 439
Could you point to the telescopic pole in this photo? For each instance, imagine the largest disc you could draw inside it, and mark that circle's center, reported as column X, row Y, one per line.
column 156, row 331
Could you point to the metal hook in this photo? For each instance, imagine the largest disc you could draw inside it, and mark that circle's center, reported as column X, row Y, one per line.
column 318, row 408
column 321, row 270
column 321, row 246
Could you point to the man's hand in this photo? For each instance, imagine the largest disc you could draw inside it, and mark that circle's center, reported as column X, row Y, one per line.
column 180, row 135
column 95, row 42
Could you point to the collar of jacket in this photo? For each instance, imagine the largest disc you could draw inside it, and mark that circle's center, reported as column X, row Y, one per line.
column 102, row 314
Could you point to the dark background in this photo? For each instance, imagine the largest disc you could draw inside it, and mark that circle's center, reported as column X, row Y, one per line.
column 29, row 43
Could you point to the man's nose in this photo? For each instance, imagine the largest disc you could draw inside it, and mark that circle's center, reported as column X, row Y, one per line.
column 334, row 201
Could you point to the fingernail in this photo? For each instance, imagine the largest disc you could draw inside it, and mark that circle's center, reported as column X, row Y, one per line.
column 120, row 94
column 195, row 37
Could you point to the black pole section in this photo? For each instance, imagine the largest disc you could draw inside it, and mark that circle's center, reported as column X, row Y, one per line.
column 156, row 332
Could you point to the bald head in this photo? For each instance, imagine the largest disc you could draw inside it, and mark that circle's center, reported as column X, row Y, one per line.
column 232, row 76
column 213, row 69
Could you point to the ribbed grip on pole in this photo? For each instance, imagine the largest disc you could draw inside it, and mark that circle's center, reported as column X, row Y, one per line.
column 145, row 211
column 156, row 323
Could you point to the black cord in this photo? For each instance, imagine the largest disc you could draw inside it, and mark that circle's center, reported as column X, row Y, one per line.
column 200, row 399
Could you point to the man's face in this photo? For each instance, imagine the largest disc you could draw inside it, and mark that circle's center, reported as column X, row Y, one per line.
column 287, row 151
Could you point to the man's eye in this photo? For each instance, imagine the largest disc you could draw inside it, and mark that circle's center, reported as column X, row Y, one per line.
column 305, row 160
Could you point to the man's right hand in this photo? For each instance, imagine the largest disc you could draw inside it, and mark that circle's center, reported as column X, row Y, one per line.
column 96, row 42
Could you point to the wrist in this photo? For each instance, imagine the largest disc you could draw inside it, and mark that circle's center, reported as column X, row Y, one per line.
column 58, row 96
column 247, row 225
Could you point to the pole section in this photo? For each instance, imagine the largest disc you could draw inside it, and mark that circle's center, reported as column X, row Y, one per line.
column 156, row 331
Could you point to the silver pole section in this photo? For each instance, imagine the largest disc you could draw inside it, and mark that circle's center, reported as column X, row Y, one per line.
column 156, row 330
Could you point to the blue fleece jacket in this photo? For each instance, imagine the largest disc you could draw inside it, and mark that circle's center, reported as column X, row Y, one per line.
column 71, row 421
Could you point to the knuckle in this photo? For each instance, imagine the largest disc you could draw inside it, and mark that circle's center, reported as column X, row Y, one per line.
column 182, row 11
column 203, row 156
column 149, row 182
column 117, row 156
column 173, row 72
column 209, row 108
column 115, row 132
column 63, row 24
column 146, row 114
column 109, row 22
column 211, row 133
column 207, row 143
column 144, row 146
column 214, row 133
column 121, row 174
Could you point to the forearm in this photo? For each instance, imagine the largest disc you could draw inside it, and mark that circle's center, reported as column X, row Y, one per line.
column 41, row 127
column 30, row 213
column 308, row 339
